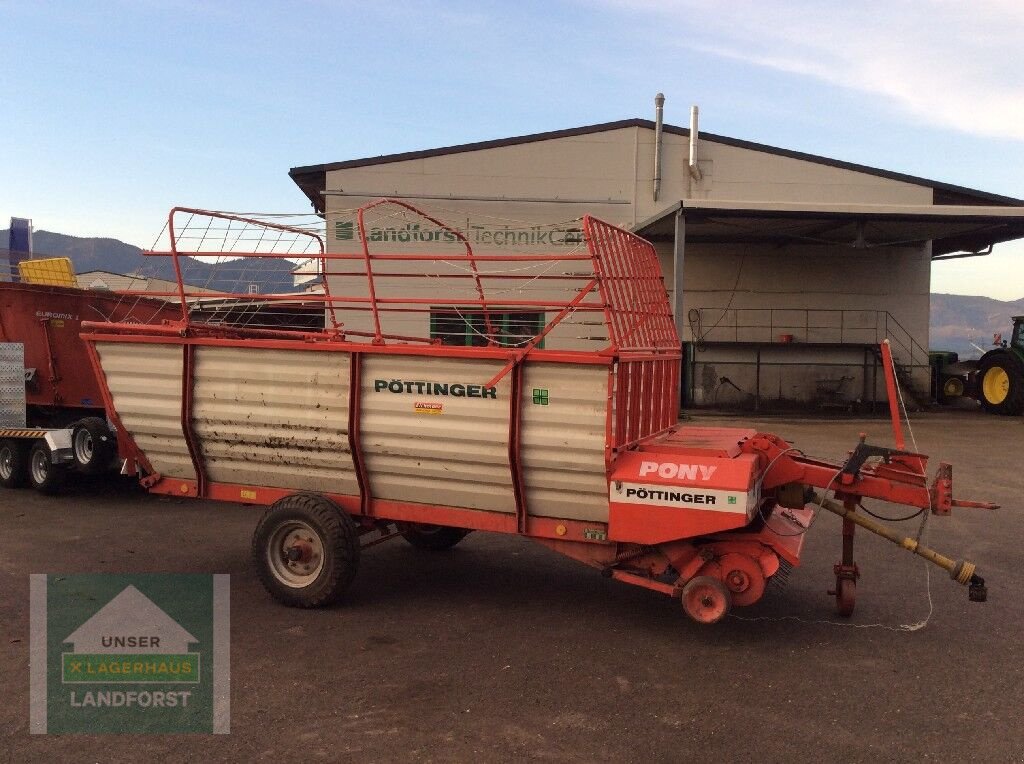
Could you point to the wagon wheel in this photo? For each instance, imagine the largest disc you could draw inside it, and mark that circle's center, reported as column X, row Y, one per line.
column 92, row 444
column 306, row 550
column 44, row 475
column 13, row 463
column 706, row 599
column 846, row 596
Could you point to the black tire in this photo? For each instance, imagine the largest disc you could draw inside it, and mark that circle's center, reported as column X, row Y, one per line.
column 13, row 463
column 313, row 526
column 432, row 537
column 45, row 476
column 1010, row 402
column 93, row 445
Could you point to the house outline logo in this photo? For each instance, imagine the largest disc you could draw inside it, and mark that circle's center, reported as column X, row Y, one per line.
column 131, row 614
column 130, row 640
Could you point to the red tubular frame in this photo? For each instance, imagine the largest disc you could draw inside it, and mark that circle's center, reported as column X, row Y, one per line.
column 624, row 286
column 444, row 226
column 187, row 400
column 892, row 393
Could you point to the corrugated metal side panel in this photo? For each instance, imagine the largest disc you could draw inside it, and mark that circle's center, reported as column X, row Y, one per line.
column 145, row 384
column 562, row 443
column 274, row 418
column 458, row 457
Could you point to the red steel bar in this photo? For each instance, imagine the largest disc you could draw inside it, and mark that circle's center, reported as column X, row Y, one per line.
column 891, row 393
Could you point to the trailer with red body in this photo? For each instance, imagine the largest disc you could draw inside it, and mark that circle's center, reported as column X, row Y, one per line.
column 52, row 416
column 368, row 430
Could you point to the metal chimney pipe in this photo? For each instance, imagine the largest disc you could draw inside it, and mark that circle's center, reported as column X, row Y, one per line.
column 659, row 110
column 695, row 172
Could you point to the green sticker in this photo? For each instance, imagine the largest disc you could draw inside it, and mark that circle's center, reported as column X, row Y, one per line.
column 540, row 396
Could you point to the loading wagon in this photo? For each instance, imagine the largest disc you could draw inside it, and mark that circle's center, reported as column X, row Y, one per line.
column 52, row 417
column 562, row 429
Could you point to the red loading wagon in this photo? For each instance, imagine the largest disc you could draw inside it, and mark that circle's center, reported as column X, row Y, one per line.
column 555, row 419
column 55, row 418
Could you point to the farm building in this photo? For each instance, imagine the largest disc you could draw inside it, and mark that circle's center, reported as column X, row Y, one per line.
column 784, row 269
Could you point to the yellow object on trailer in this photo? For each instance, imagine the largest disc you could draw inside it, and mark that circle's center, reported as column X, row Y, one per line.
column 48, row 271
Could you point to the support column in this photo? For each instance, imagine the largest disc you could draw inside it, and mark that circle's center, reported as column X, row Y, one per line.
column 678, row 252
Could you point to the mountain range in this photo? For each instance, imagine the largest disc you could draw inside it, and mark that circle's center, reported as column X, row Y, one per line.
column 961, row 323
column 270, row 274
column 965, row 324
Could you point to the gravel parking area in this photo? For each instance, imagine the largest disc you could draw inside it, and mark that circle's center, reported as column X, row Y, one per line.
column 499, row 649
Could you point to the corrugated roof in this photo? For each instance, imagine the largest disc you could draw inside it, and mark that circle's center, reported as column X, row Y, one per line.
column 312, row 178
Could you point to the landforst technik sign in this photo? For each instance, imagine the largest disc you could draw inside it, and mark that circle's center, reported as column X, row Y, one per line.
column 477, row 235
column 113, row 653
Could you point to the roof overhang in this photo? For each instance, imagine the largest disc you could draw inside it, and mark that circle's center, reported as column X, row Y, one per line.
column 950, row 228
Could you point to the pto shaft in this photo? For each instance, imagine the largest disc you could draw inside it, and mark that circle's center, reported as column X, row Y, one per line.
column 961, row 571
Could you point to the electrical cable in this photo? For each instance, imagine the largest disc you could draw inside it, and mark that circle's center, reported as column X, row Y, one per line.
column 891, row 519
column 736, row 285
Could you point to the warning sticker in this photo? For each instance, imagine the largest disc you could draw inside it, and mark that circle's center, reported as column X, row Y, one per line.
column 428, row 408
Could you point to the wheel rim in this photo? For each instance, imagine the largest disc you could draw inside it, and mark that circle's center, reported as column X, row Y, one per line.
column 743, row 578
column 83, row 446
column 40, row 466
column 996, row 385
column 6, row 462
column 953, row 388
column 706, row 601
column 846, row 596
column 295, row 554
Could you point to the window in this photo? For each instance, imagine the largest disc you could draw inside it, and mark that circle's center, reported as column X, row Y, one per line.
column 467, row 328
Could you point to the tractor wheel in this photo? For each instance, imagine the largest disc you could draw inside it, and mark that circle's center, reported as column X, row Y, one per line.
column 13, row 463
column 706, row 600
column 93, row 445
column 953, row 387
column 306, row 550
column 434, row 538
column 45, row 476
column 1001, row 384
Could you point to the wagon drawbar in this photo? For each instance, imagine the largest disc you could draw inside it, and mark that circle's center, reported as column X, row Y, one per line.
column 451, row 391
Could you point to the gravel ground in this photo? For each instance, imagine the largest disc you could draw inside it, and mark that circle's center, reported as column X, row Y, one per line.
column 499, row 649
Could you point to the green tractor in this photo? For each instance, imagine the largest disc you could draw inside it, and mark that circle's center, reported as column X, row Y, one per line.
column 999, row 383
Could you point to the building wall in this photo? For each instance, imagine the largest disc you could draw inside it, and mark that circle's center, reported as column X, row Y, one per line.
column 610, row 175
column 755, row 278
column 735, row 174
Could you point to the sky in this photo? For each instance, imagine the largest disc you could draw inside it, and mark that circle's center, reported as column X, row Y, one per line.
column 115, row 111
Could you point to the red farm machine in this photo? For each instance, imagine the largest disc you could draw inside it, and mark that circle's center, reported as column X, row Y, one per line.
column 453, row 391
column 52, row 417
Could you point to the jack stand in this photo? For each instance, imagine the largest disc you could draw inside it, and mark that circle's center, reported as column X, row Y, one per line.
column 846, row 572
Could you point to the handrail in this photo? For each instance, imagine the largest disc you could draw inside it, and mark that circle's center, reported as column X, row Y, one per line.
column 882, row 325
